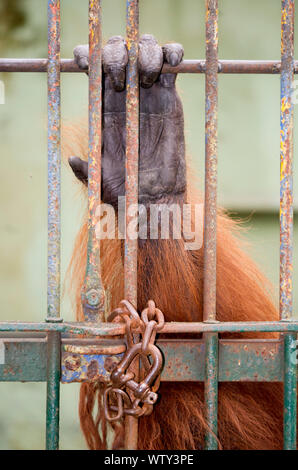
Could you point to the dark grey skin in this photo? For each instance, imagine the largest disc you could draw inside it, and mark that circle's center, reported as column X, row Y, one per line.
column 162, row 148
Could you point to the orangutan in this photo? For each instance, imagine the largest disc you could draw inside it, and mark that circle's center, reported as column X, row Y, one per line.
column 250, row 414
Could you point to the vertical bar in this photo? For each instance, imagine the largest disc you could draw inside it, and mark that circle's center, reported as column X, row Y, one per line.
column 131, row 180
column 210, row 162
column 286, row 219
column 209, row 307
column 132, row 145
column 286, row 160
column 54, row 198
column 290, row 391
column 53, row 391
column 93, row 295
column 211, row 388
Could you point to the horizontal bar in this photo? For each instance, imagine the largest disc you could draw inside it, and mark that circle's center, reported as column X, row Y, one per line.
column 113, row 329
column 23, row 360
column 75, row 328
column 36, row 65
column 187, row 66
column 247, row 360
column 232, row 327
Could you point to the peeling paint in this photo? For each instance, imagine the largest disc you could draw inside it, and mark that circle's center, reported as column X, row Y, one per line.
column 93, row 294
column 286, row 160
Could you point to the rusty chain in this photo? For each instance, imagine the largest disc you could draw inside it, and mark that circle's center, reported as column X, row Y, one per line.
column 142, row 396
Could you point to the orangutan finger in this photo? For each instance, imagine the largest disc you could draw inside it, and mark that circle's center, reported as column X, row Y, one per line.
column 115, row 59
column 173, row 54
column 150, row 60
column 81, row 56
column 80, row 168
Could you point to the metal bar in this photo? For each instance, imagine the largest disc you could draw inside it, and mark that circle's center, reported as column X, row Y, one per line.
column 54, row 223
column 211, row 389
column 75, row 328
column 232, row 327
column 286, row 219
column 187, row 66
column 131, row 182
column 210, row 216
column 210, row 208
column 290, row 391
column 286, row 160
column 93, row 295
column 54, row 160
column 114, row 329
column 23, row 359
column 132, row 147
column 53, row 390
column 248, row 360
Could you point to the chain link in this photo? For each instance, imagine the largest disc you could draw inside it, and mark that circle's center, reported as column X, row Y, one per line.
column 140, row 401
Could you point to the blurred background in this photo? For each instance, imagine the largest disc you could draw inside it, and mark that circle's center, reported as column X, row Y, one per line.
column 248, row 154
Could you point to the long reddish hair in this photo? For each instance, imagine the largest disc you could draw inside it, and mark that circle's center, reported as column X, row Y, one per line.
column 250, row 414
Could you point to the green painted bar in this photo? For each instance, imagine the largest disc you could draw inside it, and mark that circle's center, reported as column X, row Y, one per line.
column 75, row 328
column 290, row 391
column 210, row 218
column 211, row 388
column 239, row 360
column 115, row 329
column 23, row 360
column 53, row 390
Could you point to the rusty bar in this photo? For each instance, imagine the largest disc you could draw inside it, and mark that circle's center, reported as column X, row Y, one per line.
column 115, row 329
column 286, row 219
column 209, row 307
column 286, row 160
column 36, row 65
column 210, row 162
column 187, row 66
column 211, row 388
column 54, row 224
column 228, row 67
column 246, row 360
column 210, row 215
column 240, row 360
column 232, row 327
column 93, row 295
column 131, row 181
column 54, row 159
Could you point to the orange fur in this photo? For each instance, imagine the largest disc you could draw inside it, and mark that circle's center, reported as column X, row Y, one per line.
column 250, row 414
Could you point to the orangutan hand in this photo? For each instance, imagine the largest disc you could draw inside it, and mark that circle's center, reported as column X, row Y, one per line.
column 162, row 152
